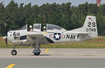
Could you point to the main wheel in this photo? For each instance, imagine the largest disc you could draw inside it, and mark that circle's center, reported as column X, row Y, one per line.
column 37, row 53
column 13, row 52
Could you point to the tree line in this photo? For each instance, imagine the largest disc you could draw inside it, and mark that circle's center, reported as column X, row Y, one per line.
column 64, row 15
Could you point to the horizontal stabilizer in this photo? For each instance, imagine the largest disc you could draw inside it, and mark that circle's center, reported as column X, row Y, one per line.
column 83, row 33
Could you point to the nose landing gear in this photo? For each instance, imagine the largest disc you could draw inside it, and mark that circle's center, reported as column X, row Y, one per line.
column 14, row 52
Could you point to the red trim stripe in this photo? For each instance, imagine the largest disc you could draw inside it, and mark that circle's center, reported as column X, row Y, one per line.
column 62, row 36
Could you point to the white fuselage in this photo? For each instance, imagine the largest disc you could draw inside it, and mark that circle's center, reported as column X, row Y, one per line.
column 63, row 37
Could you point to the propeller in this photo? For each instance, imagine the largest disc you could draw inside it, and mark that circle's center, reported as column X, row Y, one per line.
column 6, row 35
column 6, row 42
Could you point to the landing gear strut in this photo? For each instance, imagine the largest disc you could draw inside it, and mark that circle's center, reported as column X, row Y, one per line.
column 37, row 50
column 14, row 52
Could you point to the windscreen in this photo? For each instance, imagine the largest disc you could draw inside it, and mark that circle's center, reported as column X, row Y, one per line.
column 24, row 27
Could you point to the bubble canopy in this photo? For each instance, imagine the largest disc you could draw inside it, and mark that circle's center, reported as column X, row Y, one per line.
column 51, row 27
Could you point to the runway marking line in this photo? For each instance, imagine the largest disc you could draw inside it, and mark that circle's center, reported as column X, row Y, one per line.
column 10, row 66
column 82, row 54
column 46, row 50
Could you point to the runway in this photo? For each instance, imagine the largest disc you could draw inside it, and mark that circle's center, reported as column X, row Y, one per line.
column 53, row 58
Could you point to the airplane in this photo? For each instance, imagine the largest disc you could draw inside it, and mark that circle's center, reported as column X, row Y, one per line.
column 53, row 34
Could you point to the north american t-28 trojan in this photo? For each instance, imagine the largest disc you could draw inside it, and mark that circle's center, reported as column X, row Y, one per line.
column 53, row 34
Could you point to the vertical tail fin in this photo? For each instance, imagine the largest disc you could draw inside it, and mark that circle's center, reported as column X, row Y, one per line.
column 90, row 26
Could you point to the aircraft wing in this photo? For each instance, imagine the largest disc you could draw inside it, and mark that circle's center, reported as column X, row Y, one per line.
column 33, row 38
column 18, row 41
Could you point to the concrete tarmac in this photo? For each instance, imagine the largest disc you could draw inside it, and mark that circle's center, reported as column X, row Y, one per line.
column 54, row 58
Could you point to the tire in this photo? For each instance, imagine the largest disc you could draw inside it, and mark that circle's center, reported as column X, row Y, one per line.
column 13, row 52
column 37, row 53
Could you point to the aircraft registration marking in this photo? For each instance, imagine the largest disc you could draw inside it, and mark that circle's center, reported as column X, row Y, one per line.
column 10, row 66
column 91, row 27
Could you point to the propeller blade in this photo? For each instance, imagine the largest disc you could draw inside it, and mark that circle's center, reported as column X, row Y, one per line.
column 6, row 34
column 6, row 42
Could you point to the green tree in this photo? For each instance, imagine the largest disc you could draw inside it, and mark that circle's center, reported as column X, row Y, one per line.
column 30, row 21
column 11, row 14
column 21, row 16
column 34, row 11
column 83, row 8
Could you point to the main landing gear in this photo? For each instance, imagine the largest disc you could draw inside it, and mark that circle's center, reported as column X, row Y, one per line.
column 36, row 47
column 36, row 50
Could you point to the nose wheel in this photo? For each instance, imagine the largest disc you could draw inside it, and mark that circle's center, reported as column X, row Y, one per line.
column 13, row 52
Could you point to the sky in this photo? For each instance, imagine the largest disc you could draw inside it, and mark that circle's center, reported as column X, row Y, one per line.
column 40, row 2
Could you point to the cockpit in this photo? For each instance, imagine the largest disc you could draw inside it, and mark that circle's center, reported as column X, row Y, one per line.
column 49, row 28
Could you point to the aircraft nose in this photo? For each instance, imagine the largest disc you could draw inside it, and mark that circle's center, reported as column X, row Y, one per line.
column 9, row 33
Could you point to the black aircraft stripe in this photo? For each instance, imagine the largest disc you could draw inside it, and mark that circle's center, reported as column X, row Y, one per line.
column 49, row 40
